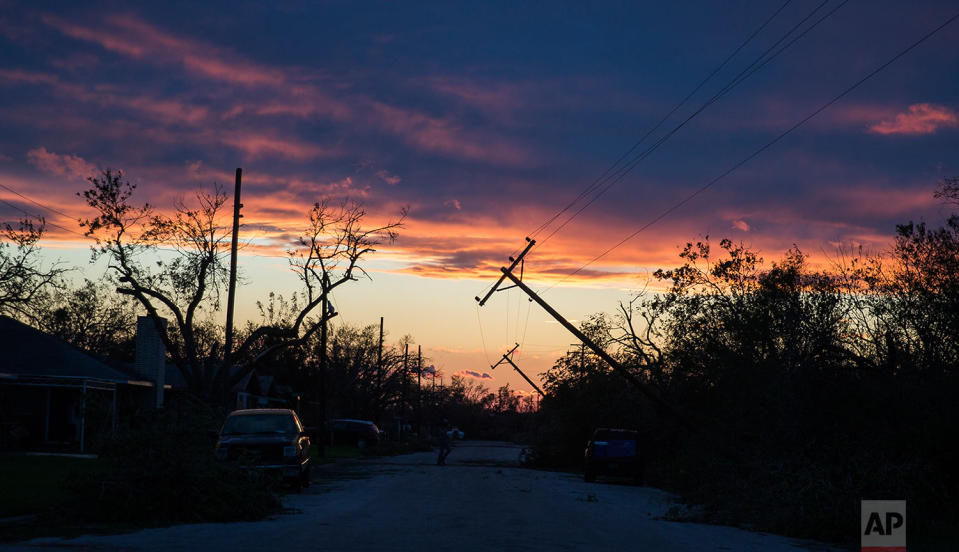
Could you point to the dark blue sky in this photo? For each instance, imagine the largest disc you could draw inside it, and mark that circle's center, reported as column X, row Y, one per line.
column 486, row 118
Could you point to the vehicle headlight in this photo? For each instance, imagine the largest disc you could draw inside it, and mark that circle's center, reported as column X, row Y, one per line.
column 222, row 453
column 289, row 452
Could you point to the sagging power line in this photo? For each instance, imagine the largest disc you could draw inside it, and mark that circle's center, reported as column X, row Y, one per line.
column 763, row 148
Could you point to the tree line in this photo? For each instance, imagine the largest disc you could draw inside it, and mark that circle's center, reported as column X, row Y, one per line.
column 810, row 388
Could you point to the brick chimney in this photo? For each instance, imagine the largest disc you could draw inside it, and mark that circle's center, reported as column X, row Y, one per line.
column 151, row 355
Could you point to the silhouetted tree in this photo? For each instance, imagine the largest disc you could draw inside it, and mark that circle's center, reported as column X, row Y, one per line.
column 93, row 317
column 174, row 266
column 23, row 278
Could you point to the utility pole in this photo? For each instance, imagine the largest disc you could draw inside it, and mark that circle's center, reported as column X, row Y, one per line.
column 323, row 362
column 228, row 349
column 406, row 373
column 529, row 244
column 507, row 358
column 379, row 359
column 419, row 387
column 617, row 367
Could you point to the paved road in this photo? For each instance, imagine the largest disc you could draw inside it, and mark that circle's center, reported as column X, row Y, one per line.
column 479, row 501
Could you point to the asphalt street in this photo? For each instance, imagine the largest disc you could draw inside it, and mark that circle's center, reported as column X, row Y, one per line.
column 481, row 500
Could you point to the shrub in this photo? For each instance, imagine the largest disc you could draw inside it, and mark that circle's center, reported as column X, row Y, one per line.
column 163, row 470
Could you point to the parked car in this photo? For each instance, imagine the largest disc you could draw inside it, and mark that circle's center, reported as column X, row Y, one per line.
column 361, row 433
column 267, row 439
column 614, row 452
column 455, row 433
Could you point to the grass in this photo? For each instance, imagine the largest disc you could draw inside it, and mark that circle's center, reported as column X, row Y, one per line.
column 33, row 484
column 332, row 453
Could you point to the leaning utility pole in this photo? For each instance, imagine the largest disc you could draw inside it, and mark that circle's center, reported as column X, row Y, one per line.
column 228, row 349
column 529, row 244
column 617, row 367
column 507, row 358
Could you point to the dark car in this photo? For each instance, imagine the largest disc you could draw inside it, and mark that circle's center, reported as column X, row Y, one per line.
column 347, row 431
column 614, row 452
column 268, row 439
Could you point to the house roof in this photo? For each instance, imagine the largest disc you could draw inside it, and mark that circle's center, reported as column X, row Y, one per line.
column 29, row 352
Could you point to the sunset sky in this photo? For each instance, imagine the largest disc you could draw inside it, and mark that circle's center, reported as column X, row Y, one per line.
column 485, row 119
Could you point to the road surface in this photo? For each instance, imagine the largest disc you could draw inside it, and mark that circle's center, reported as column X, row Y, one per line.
column 480, row 500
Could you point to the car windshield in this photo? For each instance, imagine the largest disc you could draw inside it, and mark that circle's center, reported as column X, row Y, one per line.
column 259, row 423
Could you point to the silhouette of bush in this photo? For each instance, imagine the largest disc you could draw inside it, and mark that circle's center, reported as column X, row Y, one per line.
column 163, row 470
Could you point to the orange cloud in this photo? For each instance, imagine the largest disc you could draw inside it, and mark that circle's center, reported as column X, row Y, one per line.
column 740, row 224
column 921, row 118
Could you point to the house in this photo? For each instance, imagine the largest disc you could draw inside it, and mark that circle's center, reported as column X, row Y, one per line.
column 56, row 396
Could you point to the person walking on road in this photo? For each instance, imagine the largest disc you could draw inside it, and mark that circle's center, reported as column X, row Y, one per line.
column 444, row 443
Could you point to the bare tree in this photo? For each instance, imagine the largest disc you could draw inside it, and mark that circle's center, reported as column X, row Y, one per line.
column 175, row 266
column 948, row 191
column 23, row 278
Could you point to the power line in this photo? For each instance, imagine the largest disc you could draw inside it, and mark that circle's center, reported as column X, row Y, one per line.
column 613, row 168
column 766, row 146
column 48, row 208
column 750, row 69
column 649, row 132
column 34, row 215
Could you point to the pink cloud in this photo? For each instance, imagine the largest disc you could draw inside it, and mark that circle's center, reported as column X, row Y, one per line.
column 390, row 179
column 443, row 136
column 26, row 77
column 496, row 97
column 294, row 95
column 70, row 166
column 740, row 224
column 870, row 201
column 259, row 146
column 109, row 41
column 472, row 374
column 133, row 37
column 454, row 203
column 920, row 118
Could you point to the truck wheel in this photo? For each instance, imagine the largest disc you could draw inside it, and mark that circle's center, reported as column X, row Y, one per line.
column 305, row 478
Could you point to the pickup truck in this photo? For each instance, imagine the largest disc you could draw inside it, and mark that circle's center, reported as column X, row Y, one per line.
column 614, row 452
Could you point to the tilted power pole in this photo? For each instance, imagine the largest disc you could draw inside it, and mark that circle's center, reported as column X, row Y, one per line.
column 617, row 367
column 507, row 358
